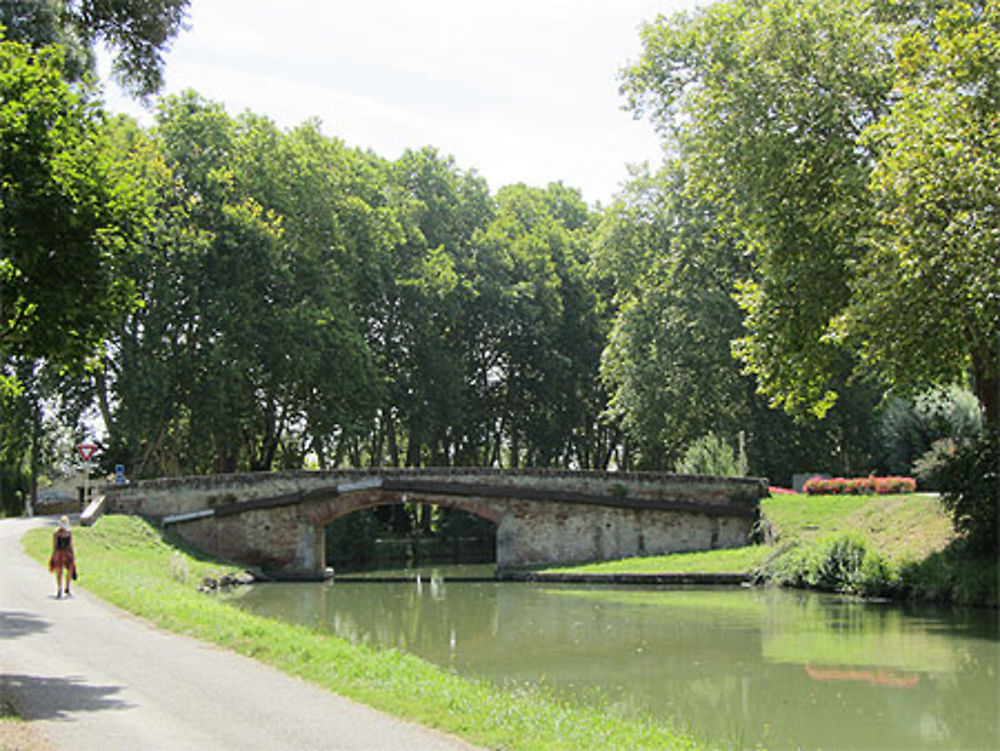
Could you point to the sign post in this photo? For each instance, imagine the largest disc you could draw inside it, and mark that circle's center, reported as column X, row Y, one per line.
column 87, row 451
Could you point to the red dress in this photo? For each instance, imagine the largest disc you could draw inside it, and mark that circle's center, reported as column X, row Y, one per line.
column 62, row 551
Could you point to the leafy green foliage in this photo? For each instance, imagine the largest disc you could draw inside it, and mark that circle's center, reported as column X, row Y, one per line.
column 137, row 30
column 850, row 564
column 667, row 362
column 300, row 299
column 667, row 270
column 953, row 576
column 849, row 149
column 908, row 429
column 543, row 335
column 66, row 213
column 840, row 563
column 247, row 334
column 765, row 101
column 969, row 477
column 927, row 302
column 781, row 110
column 710, row 455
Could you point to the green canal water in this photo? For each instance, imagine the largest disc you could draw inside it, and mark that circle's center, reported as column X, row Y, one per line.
column 736, row 667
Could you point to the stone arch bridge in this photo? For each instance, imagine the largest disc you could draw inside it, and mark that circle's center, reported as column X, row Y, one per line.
column 276, row 520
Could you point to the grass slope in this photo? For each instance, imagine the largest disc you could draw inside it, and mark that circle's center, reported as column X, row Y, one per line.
column 897, row 546
column 904, row 526
column 129, row 563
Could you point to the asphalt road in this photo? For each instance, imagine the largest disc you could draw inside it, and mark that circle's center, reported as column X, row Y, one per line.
column 93, row 678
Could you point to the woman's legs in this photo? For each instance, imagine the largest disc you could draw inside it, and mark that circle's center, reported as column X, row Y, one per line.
column 59, row 570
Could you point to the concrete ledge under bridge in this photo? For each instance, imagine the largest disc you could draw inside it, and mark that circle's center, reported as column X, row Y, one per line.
column 276, row 520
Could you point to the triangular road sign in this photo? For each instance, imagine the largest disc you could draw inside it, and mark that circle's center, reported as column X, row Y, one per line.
column 86, row 451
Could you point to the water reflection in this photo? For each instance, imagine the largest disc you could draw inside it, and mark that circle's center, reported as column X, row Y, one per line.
column 741, row 667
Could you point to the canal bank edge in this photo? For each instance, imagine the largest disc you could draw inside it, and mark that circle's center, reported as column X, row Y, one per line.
column 540, row 577
column 727, row 579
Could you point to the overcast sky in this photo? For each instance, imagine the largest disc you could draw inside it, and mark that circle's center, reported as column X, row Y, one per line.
column 519, row 90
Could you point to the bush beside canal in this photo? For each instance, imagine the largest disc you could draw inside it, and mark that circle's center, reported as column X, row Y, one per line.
column 129, row 563
column 848, row 563
column 900, row 547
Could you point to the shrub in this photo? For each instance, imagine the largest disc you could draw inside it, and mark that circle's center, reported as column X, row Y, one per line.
column 968, row 476
column 841, row 563
column 710, row 455
column 908, row 429
column 953, row 576
column 786, row 567
column 930, row 466
column 877, row 578
column 859, row 485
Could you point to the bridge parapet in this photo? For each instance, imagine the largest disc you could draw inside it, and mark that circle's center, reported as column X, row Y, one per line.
column 179, row 495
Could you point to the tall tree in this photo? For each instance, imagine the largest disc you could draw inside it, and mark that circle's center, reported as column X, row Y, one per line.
column 782, row 109
column 247, row 351
column 427, row 348
column 767, row 100
column 927, row 305
column 668, row 362
column 67, row 213
column 672, row 267
column 540, row 330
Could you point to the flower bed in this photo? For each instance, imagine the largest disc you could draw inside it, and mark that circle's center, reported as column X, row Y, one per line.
column 859, row 485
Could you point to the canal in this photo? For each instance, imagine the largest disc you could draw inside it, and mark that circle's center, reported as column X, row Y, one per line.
column 736, row 667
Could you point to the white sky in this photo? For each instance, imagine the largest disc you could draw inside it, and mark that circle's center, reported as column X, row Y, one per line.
column 519, row 90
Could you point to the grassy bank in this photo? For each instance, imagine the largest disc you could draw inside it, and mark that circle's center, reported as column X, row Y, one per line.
column 129, row 563
column 895, row 546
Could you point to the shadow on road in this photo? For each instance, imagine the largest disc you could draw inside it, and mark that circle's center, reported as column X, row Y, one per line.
column 41, row 698
column 15, row 623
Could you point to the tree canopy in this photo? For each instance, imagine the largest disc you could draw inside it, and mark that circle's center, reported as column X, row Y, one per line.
column 67, row 213
column 928, row 298
column 848, row 146
column 138, row 31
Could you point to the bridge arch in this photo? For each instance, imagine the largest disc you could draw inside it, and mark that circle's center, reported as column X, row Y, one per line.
column 370, row 536
column 322, row 514
column 357, row 500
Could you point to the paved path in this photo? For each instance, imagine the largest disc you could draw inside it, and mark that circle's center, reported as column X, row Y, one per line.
column 94, row 678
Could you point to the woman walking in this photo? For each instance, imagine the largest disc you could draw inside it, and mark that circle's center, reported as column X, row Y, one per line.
column 62, row 556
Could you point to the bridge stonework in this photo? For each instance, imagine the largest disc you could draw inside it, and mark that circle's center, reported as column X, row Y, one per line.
column 276, row 520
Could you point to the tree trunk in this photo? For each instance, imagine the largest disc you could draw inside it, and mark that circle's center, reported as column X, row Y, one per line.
column 101, row 383
column 986, row 380
column 390, row 430
column 413, row 451
column 320, row 450
column 36, row 432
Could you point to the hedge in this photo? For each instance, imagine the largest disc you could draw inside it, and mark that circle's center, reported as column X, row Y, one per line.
column 859, row 485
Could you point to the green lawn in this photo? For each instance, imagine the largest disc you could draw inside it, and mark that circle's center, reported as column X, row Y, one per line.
column 736, row 560
column 914, row 524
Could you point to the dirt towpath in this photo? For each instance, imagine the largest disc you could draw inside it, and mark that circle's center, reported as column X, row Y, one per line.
column 93, row 678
